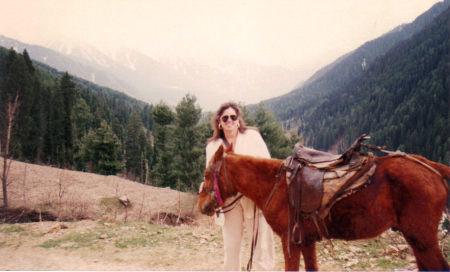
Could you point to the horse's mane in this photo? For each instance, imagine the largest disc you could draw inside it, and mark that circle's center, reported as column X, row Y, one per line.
column 265, row 163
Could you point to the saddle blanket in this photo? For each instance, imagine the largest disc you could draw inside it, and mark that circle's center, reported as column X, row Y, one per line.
column 338, row 183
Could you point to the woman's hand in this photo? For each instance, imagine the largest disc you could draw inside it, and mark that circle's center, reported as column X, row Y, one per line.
column 201, row 186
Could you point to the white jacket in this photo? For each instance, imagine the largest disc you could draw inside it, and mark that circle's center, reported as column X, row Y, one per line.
column 248, row 143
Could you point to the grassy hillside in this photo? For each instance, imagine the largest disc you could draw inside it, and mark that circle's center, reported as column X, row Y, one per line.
column 72, row 195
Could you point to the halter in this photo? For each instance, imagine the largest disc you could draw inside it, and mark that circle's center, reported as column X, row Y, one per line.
column 215, row 193
column 216, row 189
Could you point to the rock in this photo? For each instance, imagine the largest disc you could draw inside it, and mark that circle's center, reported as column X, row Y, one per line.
column 403, row 247
column 354, row 249
column 57, row 228
column 124, row 201
column 389, row 250
column 351, row 262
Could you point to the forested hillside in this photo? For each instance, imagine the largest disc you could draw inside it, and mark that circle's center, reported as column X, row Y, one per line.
column 56, row 113
column 74, row 124
column 290, row 108
column 402, row 100
column 305, row 111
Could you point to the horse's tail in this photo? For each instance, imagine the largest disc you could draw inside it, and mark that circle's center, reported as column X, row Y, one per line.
column 444, row 170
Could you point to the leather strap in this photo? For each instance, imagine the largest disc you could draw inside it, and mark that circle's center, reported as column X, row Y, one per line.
column 254, row 238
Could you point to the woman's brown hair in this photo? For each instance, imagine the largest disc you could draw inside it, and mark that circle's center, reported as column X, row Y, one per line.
column 218, row 133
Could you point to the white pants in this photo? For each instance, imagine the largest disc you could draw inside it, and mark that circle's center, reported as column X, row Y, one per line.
column 233, row 229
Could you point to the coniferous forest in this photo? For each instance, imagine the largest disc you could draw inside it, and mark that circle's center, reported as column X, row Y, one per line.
column 401, row 99
column 71, row 123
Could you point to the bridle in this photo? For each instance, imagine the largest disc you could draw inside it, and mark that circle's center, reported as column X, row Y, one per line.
column 215, row 192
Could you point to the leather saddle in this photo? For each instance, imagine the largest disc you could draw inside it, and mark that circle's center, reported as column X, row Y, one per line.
column 317, row 180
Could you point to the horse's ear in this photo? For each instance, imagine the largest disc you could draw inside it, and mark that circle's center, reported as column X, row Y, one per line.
column 219, row 154
column 229, row 149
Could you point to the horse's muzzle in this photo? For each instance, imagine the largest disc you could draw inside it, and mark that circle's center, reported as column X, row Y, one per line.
column 207, row 209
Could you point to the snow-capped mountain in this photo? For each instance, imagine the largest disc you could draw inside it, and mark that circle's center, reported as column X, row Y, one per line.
column 82, row 53
column 83, row 69
column 152, row 80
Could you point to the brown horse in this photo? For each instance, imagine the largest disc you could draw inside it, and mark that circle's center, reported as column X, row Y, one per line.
column 403, row 194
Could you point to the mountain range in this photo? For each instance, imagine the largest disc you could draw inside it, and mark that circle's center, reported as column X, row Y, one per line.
column 152, row 80
column 291, row 107
column 360, row 87
column 400, row 97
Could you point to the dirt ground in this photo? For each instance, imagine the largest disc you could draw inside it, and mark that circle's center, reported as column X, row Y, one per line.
column 30, row 250
column 98, row 245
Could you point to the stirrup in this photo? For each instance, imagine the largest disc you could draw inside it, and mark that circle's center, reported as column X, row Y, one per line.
column 294, row 236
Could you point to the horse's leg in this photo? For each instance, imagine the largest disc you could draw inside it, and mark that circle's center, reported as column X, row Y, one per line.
column 421, row 235
column 419, row 199
column 427, row 252
column 292, row 260
column 310, row 257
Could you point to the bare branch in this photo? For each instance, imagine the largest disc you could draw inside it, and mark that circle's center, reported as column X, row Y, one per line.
column 11, row 113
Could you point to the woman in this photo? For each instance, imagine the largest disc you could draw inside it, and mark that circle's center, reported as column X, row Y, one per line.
column 230, row 129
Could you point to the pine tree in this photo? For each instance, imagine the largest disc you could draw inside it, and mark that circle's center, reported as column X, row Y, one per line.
column 46, row 126
column 82, row 118
column 101, row 149
column 147, row 118
column 272, row 133
column 133, row 148
column 163, row 147
column 145, row 143
column 67, row 90
column 188, row 159
column 10, row 59
column 28, row 61
column 56, row 134
column 20, row 82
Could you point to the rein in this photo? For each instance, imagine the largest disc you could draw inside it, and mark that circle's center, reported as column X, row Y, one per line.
column 227, row 208
column 274, row 188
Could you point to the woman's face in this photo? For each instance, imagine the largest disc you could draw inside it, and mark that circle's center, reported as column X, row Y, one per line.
column 229, row 120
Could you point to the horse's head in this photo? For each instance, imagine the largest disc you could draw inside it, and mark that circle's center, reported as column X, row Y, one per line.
column 214, row 192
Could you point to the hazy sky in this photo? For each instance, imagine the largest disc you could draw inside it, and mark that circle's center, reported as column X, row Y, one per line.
column 287, row 33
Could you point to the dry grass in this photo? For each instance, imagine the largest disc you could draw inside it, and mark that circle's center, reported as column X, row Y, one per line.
column 72, row 195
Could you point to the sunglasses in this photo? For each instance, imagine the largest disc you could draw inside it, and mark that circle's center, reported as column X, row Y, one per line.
column 225, row 118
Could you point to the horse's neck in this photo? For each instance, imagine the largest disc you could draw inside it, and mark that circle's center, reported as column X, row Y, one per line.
column 253, row 177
